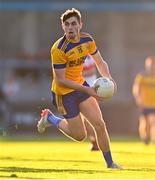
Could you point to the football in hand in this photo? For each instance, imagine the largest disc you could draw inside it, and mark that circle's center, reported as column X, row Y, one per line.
column 104, row 87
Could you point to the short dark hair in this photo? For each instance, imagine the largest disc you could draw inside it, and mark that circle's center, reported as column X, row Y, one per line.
column 71, row 13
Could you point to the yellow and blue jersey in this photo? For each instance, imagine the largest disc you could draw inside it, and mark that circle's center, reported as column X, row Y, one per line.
column 147, row 89
column 70, row 55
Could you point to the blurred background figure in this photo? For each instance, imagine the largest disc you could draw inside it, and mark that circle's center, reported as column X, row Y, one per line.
column 11, row 86
column 90, row 74
column 144, row 94
column 89, row 70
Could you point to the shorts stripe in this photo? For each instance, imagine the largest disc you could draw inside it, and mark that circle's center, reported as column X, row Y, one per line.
column 59, row 104
column 59, row 66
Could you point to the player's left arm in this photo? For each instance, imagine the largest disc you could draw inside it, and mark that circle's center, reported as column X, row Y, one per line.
column 102, row 66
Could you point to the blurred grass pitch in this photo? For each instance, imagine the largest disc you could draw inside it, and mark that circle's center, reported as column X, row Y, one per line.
column 60, row 159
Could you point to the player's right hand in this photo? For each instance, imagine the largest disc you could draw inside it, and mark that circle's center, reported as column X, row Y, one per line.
column 91, row 91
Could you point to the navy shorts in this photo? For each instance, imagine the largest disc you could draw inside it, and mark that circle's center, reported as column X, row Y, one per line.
column 147, row 111
column 68, row 104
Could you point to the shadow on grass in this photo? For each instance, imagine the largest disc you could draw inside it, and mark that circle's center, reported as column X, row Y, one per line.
column 10, row 177
column 39, row 170
column 134, row 153
column 47, row 160
column 142, row 170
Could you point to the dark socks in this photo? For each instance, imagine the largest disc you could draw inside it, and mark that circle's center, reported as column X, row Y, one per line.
column 54, row 120
column 108, row 158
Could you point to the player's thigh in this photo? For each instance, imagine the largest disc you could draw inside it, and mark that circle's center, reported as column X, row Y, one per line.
column 91, row 110
column 152, row 119
column 142, row 122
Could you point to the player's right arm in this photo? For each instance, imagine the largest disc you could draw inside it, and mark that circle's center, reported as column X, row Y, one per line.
column 62, row 81
column 59, row 68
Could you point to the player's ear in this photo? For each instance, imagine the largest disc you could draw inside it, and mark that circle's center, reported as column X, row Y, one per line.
column 62, row 25
column 81, row 24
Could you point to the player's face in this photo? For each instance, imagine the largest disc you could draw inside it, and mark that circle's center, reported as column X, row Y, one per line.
column 72, row 28
column 150, row 66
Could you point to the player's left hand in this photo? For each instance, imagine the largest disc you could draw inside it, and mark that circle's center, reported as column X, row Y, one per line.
column 115, row 85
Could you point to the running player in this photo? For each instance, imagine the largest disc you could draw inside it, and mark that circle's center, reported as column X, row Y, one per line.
column 144, row 93
column 71, row 94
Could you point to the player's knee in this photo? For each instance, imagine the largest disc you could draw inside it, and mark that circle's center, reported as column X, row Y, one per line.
column 80, row 137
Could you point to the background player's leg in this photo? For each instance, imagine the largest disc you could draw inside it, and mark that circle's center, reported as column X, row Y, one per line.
column 144, row 129
column 91, row 135
column 152, row 127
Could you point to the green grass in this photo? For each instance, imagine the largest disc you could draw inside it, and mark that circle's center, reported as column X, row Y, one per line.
column 68, row 160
